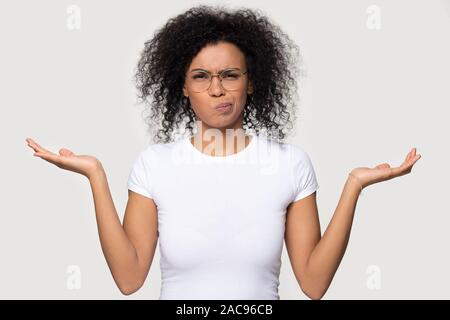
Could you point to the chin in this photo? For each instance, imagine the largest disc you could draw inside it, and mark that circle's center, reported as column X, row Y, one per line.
column 221, row 124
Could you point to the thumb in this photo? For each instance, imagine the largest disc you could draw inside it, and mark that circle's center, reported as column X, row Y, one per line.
column 66, row 152
column 383, row 166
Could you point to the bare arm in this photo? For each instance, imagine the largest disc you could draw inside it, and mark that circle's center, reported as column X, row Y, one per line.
column 128, row 249
column 315, row 258
column 327, row 254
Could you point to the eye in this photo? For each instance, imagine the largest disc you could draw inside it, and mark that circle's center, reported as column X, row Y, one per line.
column 230, row 75
column 200, row 75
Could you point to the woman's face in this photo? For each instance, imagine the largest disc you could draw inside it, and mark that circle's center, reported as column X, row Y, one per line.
column 214, row 58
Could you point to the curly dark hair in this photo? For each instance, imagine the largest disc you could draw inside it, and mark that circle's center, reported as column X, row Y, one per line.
column 271, row 58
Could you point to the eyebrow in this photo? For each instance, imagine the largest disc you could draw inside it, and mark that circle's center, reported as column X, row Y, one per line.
column 199, row 69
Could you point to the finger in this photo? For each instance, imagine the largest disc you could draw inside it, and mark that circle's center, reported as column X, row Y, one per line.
column 413, row 153
column 410, row 154
column 37, row 147
column 55, row 159
column 414, row 157
column 407, row 157
column 31, row 144
column 406, row 167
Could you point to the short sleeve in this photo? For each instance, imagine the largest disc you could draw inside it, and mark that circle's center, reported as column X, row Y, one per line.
column 139, row 179
column 305, row 180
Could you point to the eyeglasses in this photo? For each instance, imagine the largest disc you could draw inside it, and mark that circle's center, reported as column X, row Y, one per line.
column 230, row 79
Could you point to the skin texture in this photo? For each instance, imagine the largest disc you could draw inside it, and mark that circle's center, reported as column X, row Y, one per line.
column 129, row 248
column 226, row 128
column 272, row 59
column 315, row 258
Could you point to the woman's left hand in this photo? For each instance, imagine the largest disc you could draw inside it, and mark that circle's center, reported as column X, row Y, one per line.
column 383, row 171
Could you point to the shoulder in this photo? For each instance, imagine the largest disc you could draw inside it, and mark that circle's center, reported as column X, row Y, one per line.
column 298, row 153
column 160, row 153
column 285, row 152
column 300, row 160
column 293, row 151
column 272, row 145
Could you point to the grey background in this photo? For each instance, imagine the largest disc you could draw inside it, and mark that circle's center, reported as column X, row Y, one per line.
column 368, row 97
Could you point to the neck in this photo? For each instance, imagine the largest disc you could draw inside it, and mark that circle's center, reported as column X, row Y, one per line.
column 220, row 141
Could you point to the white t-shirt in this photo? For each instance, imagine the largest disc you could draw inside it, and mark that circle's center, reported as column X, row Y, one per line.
column 221, row 219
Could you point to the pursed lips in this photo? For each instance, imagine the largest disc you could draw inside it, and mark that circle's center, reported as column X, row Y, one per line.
column 222, row 105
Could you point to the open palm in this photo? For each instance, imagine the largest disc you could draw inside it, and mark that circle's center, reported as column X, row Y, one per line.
column 384, row 171
column 66, row 159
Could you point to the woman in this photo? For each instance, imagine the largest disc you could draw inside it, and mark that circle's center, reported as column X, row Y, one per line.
column 221, row 207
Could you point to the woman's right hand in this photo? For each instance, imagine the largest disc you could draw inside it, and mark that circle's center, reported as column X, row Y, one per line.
column 82, row 164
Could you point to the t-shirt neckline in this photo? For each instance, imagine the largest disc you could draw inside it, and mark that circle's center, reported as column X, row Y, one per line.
column 238, row 154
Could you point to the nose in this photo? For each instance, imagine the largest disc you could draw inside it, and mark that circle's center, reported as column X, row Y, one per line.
column 215, row 87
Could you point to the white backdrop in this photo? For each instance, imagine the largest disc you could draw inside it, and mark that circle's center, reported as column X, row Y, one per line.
column 377, row 84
